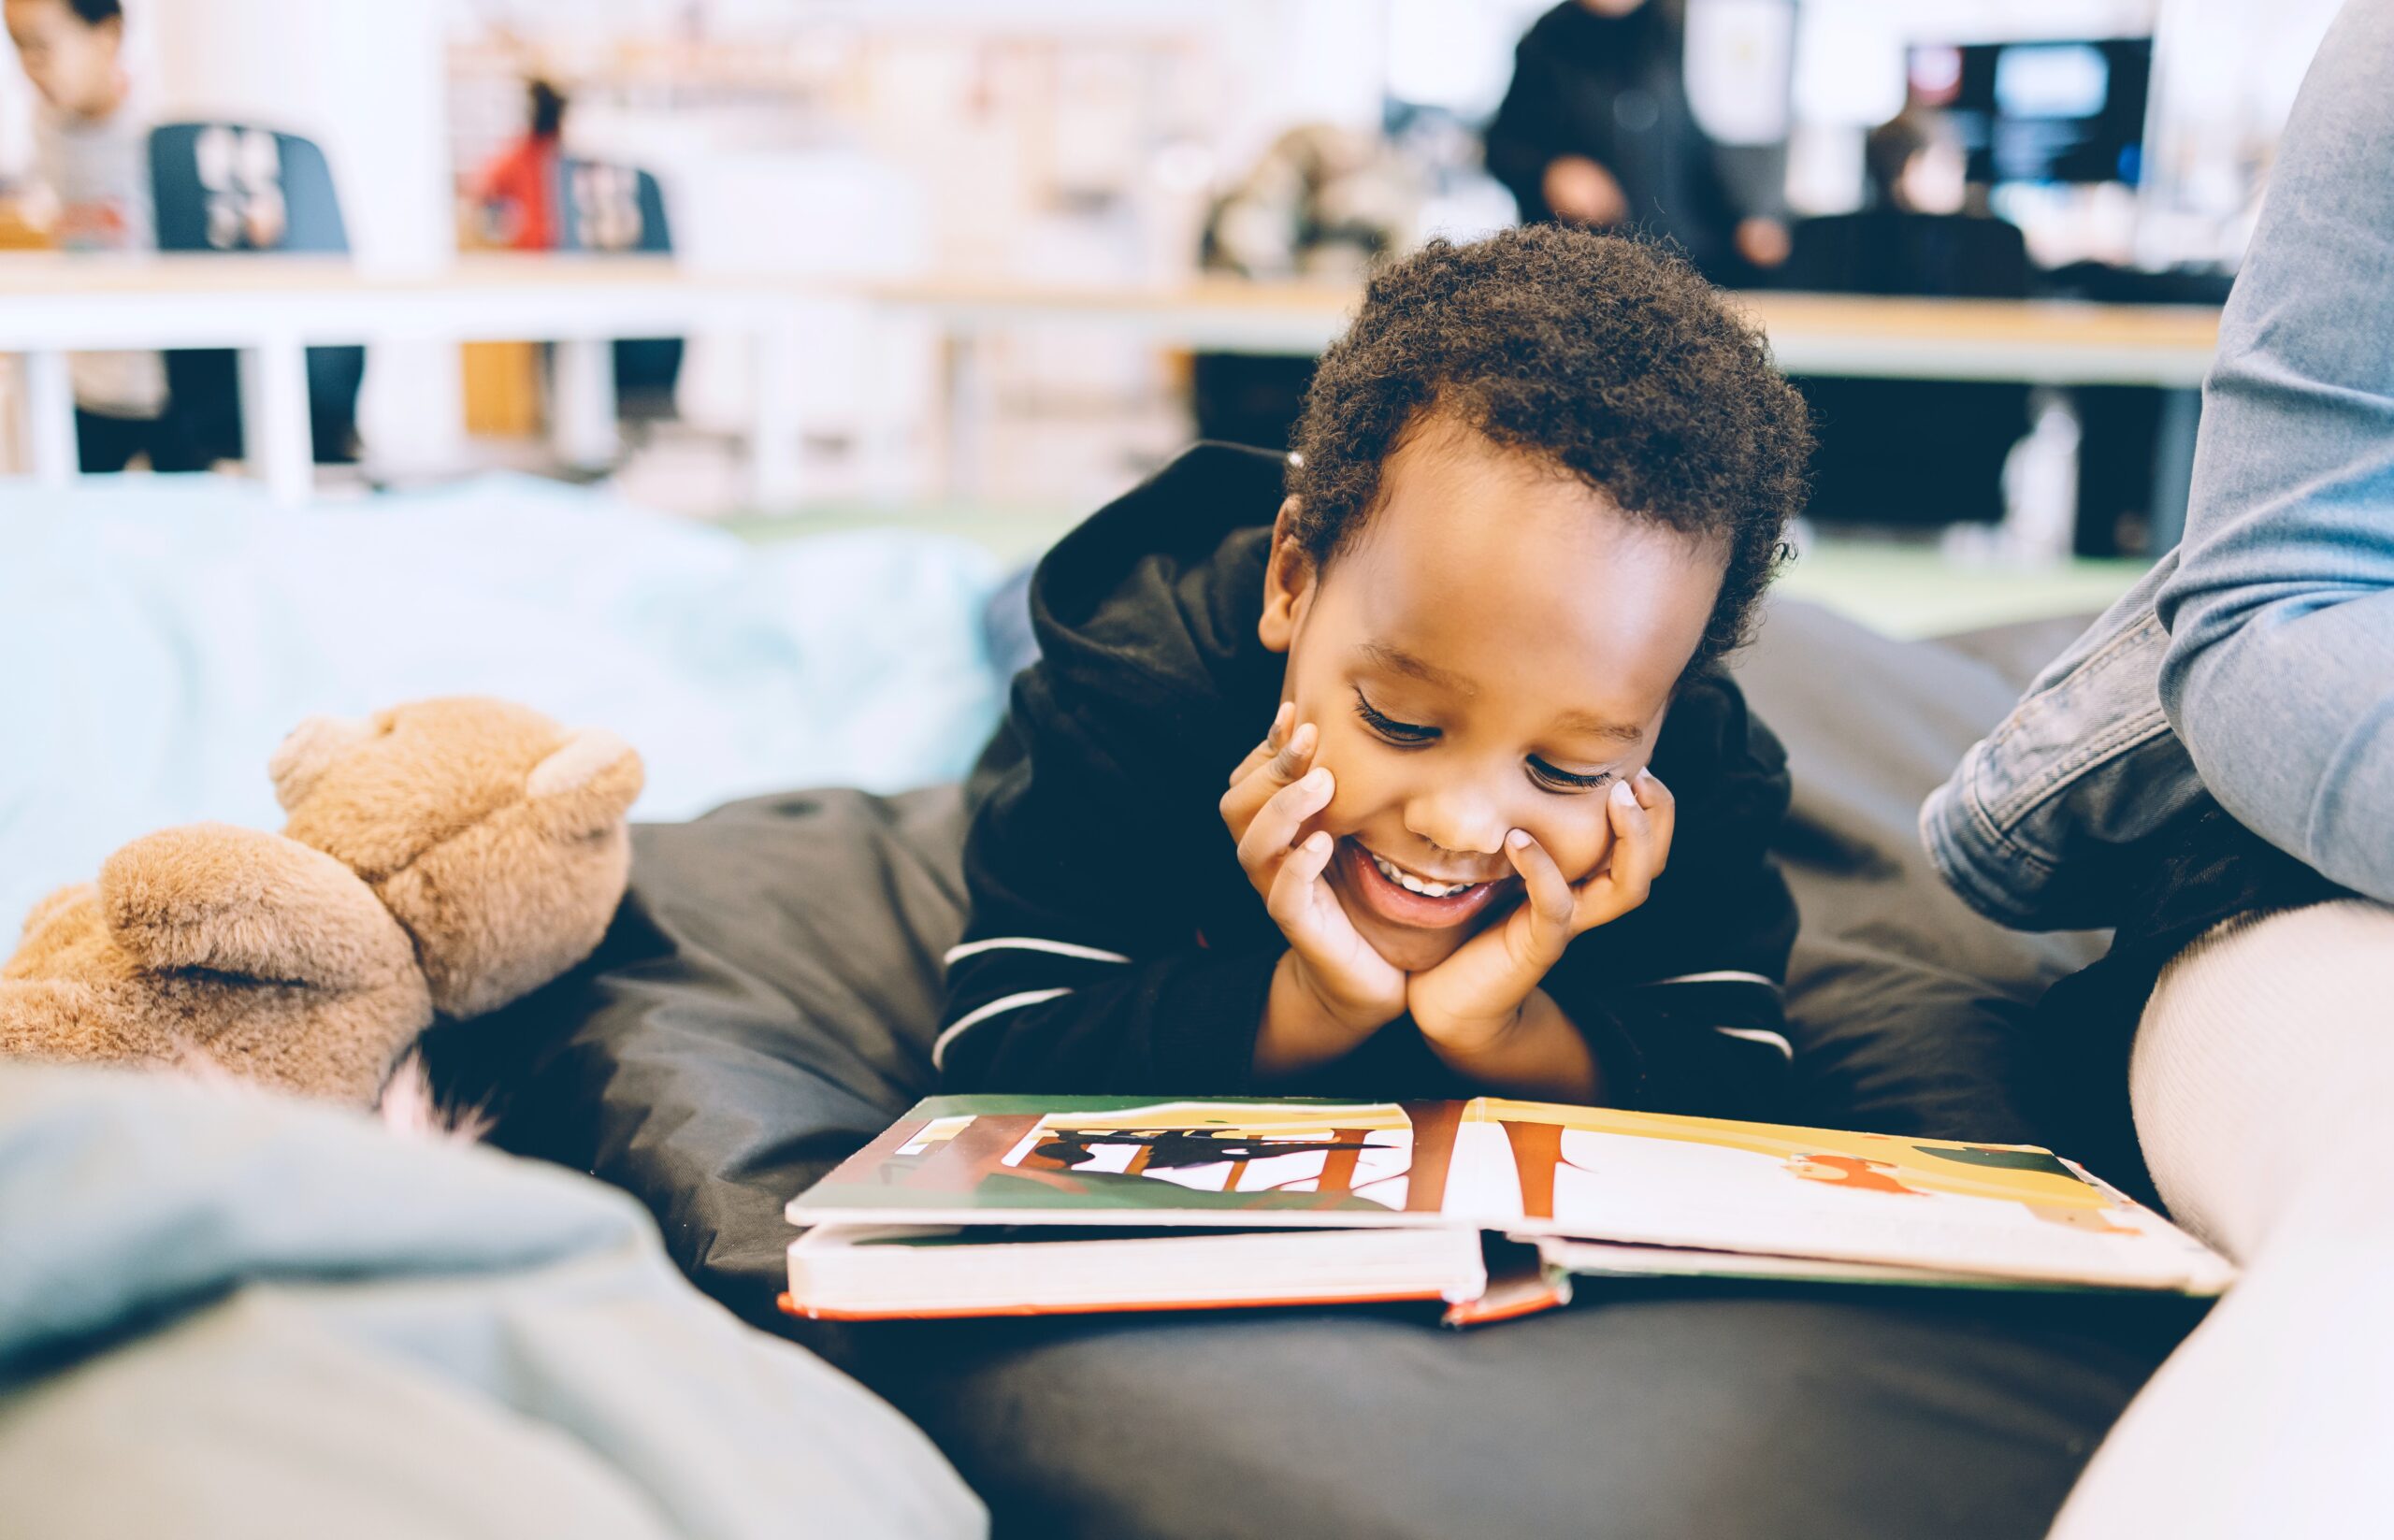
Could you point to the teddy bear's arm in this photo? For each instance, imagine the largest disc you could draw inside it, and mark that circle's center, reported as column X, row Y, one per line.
column 237, row 900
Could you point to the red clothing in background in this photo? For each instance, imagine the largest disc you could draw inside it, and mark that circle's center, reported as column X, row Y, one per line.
column 523, row 179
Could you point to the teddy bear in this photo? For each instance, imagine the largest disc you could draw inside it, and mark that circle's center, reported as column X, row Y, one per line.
column 446, row 856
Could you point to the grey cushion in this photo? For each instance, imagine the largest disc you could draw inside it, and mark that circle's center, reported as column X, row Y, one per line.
column 766, row 1000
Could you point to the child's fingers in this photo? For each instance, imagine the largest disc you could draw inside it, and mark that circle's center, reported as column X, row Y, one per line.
column 1550, row 900
column 1295, row 754
column 1629, row 875
column 1283, row 768
column 1275, row 826
column 1662, row 809
column 1270, row 746
column 1291, row 902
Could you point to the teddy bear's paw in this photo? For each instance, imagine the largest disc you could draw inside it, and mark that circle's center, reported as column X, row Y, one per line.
column 238, row 901
column 70, row 1021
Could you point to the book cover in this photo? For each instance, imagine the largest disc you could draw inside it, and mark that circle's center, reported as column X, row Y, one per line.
column 887, row 1272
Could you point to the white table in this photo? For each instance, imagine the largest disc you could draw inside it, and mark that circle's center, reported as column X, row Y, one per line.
column 272, row 308
column 2039, row 341
column 2031, row 341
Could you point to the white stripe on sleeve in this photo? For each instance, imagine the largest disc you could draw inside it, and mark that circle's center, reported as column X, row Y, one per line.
column 1723, row 975
column 1751, row 1034
column 974, row 1017
column 1032, row 943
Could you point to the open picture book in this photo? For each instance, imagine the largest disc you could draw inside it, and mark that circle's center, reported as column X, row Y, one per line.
column 1009, row 1204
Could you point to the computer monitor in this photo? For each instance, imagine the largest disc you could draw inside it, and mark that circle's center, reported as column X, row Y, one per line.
column 2042, row 111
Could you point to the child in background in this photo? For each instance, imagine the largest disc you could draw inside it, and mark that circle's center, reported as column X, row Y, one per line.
column 518, row 189
column 1461, row 684
column 92, row 146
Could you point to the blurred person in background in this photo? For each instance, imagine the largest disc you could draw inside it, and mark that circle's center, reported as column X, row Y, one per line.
column 1596, row 130
column 1917, row 235
column 518, row 189
column 1909, row 451
column 92, row 193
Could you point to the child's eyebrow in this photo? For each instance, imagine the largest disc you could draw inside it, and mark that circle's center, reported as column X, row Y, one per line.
column 1596, row 726
column 1397, row 658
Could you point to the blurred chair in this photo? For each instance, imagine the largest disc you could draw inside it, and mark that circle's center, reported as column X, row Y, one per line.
column 232, row 187
column 1911, row 452
column 621, row 209
column 1896, row 252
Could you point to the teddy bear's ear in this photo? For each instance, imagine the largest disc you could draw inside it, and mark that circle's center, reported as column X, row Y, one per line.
column 595, row 775
column 302, row 759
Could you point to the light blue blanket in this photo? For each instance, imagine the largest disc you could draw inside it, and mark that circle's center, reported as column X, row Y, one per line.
column 225, row 1313
column 164, row 633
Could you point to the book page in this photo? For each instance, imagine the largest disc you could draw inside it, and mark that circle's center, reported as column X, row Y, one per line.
column 1123, row 1159
column 2010, row 1210
column 1526, row 1168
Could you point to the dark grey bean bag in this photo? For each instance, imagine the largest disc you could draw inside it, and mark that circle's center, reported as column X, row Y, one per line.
column 766, row 1000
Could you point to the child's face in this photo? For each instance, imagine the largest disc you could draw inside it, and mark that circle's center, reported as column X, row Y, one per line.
column 1495, row 650
column 71, row 63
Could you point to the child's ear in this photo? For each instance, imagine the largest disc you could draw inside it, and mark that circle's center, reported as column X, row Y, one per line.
column 1290, row 578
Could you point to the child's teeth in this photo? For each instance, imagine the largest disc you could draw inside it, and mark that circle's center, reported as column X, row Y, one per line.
column 1415, row 884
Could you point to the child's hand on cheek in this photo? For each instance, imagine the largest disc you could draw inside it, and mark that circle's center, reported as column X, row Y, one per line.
column 1273, row 793
column 1474, row 1005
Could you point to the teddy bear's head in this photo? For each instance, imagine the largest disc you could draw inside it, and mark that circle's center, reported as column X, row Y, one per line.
column 494, row 836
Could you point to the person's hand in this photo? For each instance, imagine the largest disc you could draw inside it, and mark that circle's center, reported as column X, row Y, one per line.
column 1580, row 191
column 1762, row 241
column 1275, row 789
column 1469, row 1003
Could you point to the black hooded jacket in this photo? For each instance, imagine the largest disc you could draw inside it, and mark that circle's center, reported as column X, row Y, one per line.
column 1116, row 945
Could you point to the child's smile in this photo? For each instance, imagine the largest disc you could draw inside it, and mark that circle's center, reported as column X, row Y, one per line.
column 1495, row 650
column 1403, row 896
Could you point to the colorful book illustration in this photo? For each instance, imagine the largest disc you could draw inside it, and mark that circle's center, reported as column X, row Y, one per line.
column 1604, row 1190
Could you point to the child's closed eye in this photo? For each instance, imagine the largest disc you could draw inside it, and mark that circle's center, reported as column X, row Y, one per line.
column 1403, row 734
column 1414, row 735
column 1554, row 778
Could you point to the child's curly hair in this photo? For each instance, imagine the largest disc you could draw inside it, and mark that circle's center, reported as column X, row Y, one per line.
column 1604, row 356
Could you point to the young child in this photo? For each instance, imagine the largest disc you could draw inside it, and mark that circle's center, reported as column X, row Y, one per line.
column 91, row 143
column 1370, row 789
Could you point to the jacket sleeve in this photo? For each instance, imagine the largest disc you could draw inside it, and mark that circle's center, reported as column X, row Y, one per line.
column 1680, row 998
column 1080, row 968
column 1523, row 136
column 2280, row 671
column 1708, row 1040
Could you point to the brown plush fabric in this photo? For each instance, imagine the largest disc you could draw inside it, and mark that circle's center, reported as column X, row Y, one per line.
column 449, row 855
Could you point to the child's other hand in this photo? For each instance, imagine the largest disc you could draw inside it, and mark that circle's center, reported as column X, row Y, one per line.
column 1275, row 789
column 1468, row 1004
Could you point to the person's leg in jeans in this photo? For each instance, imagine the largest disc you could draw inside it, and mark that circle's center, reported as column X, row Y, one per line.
column 2263, row 1069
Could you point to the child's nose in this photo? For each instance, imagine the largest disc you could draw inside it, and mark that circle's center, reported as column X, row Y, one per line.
column 1459, row 816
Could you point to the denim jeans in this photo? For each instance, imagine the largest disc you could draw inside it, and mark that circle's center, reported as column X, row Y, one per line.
column 2255, row 663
